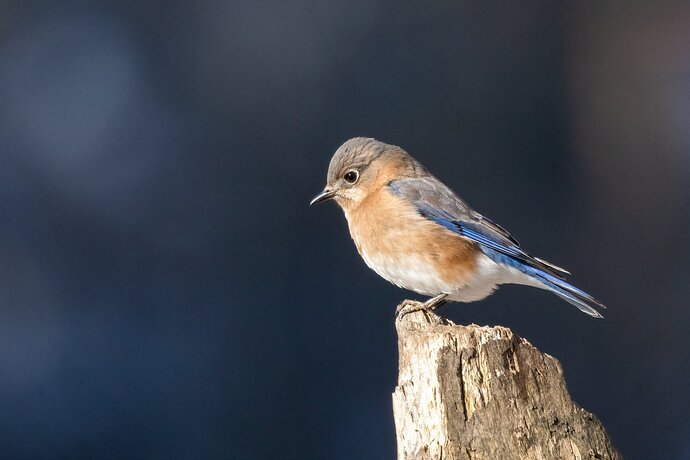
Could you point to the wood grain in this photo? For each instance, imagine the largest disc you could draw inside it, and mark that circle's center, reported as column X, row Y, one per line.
column 471, row 392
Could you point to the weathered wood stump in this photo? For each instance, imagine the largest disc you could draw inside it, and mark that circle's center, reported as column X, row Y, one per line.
column 471, row 392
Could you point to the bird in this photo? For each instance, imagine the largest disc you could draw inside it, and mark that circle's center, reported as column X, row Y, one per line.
column 415, row 232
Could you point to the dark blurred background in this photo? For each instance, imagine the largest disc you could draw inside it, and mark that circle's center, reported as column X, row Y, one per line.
column 166, row 292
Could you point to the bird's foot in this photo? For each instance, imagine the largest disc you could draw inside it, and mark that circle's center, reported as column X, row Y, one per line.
column 408, row 306
column 411, row 306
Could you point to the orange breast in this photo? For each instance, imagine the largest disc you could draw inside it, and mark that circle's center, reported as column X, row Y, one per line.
column 388, row 230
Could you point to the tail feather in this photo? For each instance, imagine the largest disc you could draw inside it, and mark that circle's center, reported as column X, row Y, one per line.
column 574, row 296
column 555, row 284
column 570, row 293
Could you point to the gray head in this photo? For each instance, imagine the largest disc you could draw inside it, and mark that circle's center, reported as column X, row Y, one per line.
column 359, row 165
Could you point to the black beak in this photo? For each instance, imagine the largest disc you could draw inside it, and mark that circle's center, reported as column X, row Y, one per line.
column 323, row 196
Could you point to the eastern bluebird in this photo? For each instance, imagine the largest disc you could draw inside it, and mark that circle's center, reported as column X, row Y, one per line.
column 418, row 234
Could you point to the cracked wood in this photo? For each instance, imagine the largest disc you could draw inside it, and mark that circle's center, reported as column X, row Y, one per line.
column 471, row 392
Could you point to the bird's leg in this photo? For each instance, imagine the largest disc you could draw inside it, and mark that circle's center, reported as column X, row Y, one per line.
column 410, row 306
column 436, row 302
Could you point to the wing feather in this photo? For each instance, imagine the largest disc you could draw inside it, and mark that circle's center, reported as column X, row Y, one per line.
column 437, row 202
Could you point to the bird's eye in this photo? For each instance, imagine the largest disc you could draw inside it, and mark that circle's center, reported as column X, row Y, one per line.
column 351, row 176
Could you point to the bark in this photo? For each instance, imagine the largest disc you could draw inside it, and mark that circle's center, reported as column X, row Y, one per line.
column 471, row 392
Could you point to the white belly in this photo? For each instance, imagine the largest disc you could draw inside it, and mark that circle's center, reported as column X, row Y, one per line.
column 409, row 272
column 416, row 273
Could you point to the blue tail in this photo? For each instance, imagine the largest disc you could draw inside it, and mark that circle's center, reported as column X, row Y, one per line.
column 558, row 286
column 568, row 292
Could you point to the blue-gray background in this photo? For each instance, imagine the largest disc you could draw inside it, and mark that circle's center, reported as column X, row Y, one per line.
column 165, row 292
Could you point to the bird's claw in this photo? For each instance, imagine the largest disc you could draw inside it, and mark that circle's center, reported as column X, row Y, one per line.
column 408, row 306
column 411, row 306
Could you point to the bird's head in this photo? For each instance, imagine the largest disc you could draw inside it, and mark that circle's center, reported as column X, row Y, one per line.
column 358, row 167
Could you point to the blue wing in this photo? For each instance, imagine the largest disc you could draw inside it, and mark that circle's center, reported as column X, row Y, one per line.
column 439, row 204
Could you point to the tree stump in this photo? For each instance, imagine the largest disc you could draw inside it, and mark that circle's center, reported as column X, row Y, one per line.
column 471, row 392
